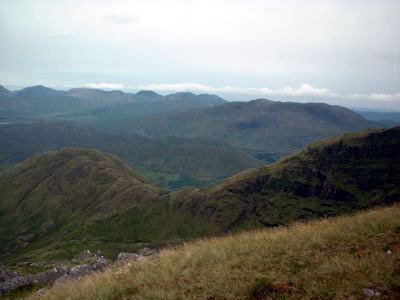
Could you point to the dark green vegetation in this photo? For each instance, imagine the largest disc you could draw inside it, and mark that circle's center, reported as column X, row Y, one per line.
column 330, row 177
column 56, row 204
column 265, row 129
column 171, row 162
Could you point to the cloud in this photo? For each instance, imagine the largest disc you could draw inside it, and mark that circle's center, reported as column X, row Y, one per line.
column 60, row 35
column 104, row 86
column 121, row 19
column 304, row 90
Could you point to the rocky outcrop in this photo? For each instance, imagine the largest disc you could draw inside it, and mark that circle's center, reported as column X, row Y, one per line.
column 11, row 280
column 124, row 257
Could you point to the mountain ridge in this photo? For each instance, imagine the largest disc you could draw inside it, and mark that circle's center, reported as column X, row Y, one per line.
column 43, row 102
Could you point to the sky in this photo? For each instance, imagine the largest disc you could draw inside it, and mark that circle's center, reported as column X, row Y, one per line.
column 343, row 52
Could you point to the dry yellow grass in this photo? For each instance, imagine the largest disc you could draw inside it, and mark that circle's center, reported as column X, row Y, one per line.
column 325, row 259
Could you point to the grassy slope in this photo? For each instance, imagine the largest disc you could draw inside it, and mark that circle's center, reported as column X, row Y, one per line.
column 333, row 258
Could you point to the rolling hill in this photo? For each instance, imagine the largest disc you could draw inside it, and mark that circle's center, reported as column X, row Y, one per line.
column 171, row 162
column 265, row 129
column 56, row 204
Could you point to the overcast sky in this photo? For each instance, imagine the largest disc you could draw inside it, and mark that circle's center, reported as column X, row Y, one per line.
column 345, row 52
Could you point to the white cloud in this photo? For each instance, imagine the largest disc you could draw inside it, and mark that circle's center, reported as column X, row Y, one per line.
column 61, row 35
column 104, row 86
column 121, row 19
column 304, row 90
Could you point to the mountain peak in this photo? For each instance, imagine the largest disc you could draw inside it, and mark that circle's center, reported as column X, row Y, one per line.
column 147, row 93
column 38, row 91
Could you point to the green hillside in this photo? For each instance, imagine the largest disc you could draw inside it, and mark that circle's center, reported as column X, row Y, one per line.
column 47, row 198
column 331, row 177
column 54, row 205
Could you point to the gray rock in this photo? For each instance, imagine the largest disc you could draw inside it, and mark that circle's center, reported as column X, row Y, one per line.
column 147, row 252
column 127, row 256
column 50, row 276
column 26, row 238
column 31, row 280
column 371, row 293
column 79, row 271
column 35, row 265
column 22, row 263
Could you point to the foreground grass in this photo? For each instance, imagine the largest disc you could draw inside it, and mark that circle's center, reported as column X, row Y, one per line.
column 335, row 258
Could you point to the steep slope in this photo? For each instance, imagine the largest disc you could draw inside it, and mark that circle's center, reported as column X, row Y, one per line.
column 171, row 162
column 330, row 177
column 264, row 129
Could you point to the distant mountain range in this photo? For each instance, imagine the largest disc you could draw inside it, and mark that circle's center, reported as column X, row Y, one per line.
column 42, row 102
column 58, row 203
